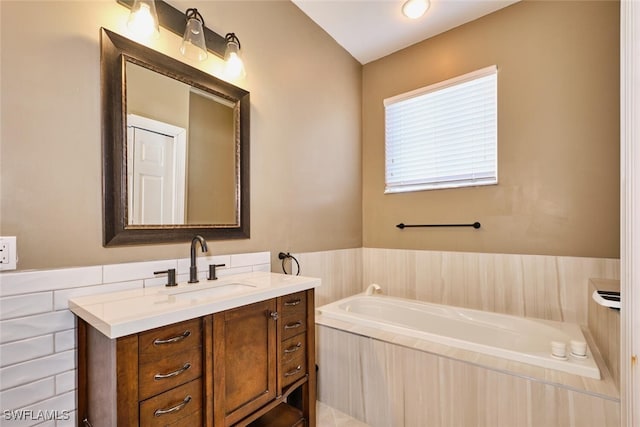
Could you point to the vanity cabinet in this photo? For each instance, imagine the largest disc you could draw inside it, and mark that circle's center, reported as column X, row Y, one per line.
column 246, row 366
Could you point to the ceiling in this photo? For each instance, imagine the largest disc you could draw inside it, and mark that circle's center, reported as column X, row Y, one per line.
column 371, row 29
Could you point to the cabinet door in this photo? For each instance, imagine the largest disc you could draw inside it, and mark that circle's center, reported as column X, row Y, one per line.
column 244, row 360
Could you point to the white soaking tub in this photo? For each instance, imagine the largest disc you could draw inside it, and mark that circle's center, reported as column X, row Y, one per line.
column 525, row 340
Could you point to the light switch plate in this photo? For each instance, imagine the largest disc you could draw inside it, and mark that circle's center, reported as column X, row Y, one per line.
column 8, row 253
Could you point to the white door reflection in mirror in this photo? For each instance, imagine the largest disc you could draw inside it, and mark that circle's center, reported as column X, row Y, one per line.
column 155, row 171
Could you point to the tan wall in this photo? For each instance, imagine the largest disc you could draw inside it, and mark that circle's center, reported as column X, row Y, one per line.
column 158, row 97
column 305, row 152
column 211, row 163
column 558, row 135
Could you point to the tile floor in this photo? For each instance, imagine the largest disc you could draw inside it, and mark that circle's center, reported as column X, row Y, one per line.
column 329, row 417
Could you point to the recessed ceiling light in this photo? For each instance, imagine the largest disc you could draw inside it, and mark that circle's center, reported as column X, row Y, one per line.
column 414, row 9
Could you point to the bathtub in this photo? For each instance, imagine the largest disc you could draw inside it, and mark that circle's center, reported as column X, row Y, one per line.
column 520, row 339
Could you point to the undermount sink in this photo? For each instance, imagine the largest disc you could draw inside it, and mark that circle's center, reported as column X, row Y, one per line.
column 216, row 291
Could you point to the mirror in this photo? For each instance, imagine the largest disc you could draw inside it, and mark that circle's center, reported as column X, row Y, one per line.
column 175, row 149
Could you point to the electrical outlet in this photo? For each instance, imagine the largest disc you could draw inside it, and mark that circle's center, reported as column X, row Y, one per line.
column 8, row 253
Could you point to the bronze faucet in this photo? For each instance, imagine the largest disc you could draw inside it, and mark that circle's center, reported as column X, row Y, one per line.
column 193, row 269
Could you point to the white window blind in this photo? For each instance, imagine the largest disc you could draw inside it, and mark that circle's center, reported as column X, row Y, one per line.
column 443, row 135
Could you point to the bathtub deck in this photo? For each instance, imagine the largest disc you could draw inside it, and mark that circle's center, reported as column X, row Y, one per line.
column 604, row 388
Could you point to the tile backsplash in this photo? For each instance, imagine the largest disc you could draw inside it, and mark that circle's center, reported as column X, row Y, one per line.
column 37, row 330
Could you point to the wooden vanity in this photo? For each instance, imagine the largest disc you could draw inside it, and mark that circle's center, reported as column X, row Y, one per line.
column 251, row 365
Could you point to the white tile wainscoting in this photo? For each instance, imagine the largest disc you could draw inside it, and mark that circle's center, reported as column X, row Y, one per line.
column 37, row 330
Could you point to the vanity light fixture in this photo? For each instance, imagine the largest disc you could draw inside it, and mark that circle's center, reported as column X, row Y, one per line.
column 143, row 19
column 233, row 65
column 172, row 19
column 193, row 43
column 414, row 9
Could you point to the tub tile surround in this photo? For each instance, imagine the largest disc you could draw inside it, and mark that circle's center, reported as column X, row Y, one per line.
column 37, row 330
column 340, row 271
column 547, row 287
column 383, row 384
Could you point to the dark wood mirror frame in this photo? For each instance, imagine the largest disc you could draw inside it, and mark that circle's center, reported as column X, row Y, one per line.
column 116, row 230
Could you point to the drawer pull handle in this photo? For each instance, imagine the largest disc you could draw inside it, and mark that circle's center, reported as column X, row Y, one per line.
column 178, row 338
column 179, row 406
column 293, row 348
column 293, row 303
column 293, row 325
column 293, row 371
column 174, row 373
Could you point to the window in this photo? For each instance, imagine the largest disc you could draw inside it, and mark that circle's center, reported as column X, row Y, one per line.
column 443, row 135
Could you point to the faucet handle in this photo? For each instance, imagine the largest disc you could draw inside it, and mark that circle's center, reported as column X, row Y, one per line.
column 171, row 276
column 212, row 271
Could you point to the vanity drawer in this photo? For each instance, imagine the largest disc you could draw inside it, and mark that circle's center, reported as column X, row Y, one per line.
column 181, row 406
column 293, row 370
column 293, row 347
column 294, row 303
column 294, row 314
column 293, row 325
column 161, row 375
column 177, row 338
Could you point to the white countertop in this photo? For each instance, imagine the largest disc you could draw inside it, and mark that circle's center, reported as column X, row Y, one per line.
column 123, row 313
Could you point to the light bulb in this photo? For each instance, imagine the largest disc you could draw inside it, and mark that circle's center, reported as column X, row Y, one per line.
column 234, row 67
column 414, row 9
column 142, row 21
